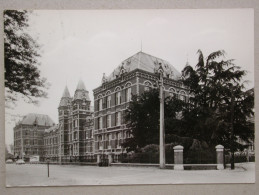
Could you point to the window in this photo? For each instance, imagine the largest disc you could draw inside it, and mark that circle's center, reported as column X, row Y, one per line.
column 117, row 98
column 183, row 96
column 108, row 121
column 100, row 103
column 108, row 103
column 172, row 92
column 117, row 118
column 100, row 123
column 148, row 85
column 128, row 94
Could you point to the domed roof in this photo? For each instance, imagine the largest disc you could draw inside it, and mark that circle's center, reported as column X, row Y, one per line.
column 37, row 119
column 147, row 63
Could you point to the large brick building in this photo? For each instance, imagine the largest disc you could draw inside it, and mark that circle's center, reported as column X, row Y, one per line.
column 29, row 133
column 111, row 99
column 71, row 139
column 82, row 134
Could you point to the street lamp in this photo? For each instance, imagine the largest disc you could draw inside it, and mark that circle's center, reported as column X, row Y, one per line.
column 160, row 71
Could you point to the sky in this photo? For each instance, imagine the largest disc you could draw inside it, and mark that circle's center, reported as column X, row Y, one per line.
column 84, row 44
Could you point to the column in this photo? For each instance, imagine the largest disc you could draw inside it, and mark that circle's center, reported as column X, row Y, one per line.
column 178, row 157
column 220, row 157
column 98, row 158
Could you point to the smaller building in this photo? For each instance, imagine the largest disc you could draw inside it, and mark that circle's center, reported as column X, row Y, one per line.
column 52, row 143
column 28, row 135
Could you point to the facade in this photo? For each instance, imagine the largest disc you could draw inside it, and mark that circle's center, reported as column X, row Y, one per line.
column 29, row 133
column 111, row 99
column 81, row 134
column 71, row 139
column 51, row 140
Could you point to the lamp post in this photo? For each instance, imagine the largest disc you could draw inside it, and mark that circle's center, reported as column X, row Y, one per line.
column 232, row 129
column 48, row 165
column 162, row 127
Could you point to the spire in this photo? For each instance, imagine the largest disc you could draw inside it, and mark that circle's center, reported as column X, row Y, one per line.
column 187, row 62
column 80, row 85
column 66, row 93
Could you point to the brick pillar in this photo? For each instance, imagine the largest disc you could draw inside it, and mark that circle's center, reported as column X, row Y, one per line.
column 178, row 157
column 220, row 157
column 98, row 158
column 110, row 158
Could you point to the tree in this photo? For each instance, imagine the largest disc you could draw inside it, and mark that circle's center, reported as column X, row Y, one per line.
column 22, row 76
column 206, row 117
column 142, row 118
column 217, row 94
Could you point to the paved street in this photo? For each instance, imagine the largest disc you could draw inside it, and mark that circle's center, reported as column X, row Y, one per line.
column 36, row 175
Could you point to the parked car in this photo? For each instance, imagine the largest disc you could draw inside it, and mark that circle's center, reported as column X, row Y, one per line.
column 9, row 161
column 20, row 162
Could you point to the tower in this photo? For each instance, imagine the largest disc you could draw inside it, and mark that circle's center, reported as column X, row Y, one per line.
column 80, row 109
column 63, row 116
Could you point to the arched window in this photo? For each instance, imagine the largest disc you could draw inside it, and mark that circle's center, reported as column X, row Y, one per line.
column 128, row 92
column 172, row 92
column 183, row 96
column 148, row 85
column 107, row 100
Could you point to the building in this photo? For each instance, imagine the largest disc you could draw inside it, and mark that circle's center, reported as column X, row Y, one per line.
column 51, row 142
column 81, row 134
column 71, row 139
column 28, row 135
column 111, row 99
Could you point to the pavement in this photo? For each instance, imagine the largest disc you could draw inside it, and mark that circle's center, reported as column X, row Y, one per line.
column 64, row 175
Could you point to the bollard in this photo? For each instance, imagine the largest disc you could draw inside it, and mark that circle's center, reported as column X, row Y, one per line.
column 110, row 158
column 178, row 158
column 220, row 157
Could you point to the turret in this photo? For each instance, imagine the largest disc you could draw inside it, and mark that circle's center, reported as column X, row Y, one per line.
column 64, row 102
column 81, row 97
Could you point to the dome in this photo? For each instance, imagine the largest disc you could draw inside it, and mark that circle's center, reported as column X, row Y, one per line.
column 147, row 63
column 37, row 119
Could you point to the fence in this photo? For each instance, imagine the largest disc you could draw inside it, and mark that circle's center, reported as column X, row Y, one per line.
column 204, row 156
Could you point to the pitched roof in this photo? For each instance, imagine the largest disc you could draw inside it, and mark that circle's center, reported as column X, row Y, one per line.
column 80, row 85
column 65, row 100
column 81, row 92
column 147, row 63
column 37, row 119
column 66, row 93
column 53, row 128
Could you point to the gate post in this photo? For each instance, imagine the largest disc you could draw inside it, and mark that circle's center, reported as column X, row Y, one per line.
column 220, row 157
column 110, row 158
column 98, row 158
column 178, row 157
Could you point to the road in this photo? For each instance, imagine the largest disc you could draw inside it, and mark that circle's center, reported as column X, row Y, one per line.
column 62, row 175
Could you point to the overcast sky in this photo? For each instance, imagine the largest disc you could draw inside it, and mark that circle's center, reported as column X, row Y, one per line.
column 85, row 44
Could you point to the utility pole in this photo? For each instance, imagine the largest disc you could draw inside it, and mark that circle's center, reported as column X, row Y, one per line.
column 59, row 145
column 162, row 127
column 22, row 141
column 232, row 129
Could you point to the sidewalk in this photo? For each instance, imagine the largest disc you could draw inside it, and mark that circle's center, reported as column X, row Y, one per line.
column 62, row 175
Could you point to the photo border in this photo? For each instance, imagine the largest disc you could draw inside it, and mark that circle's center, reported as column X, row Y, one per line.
column 130, row 4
